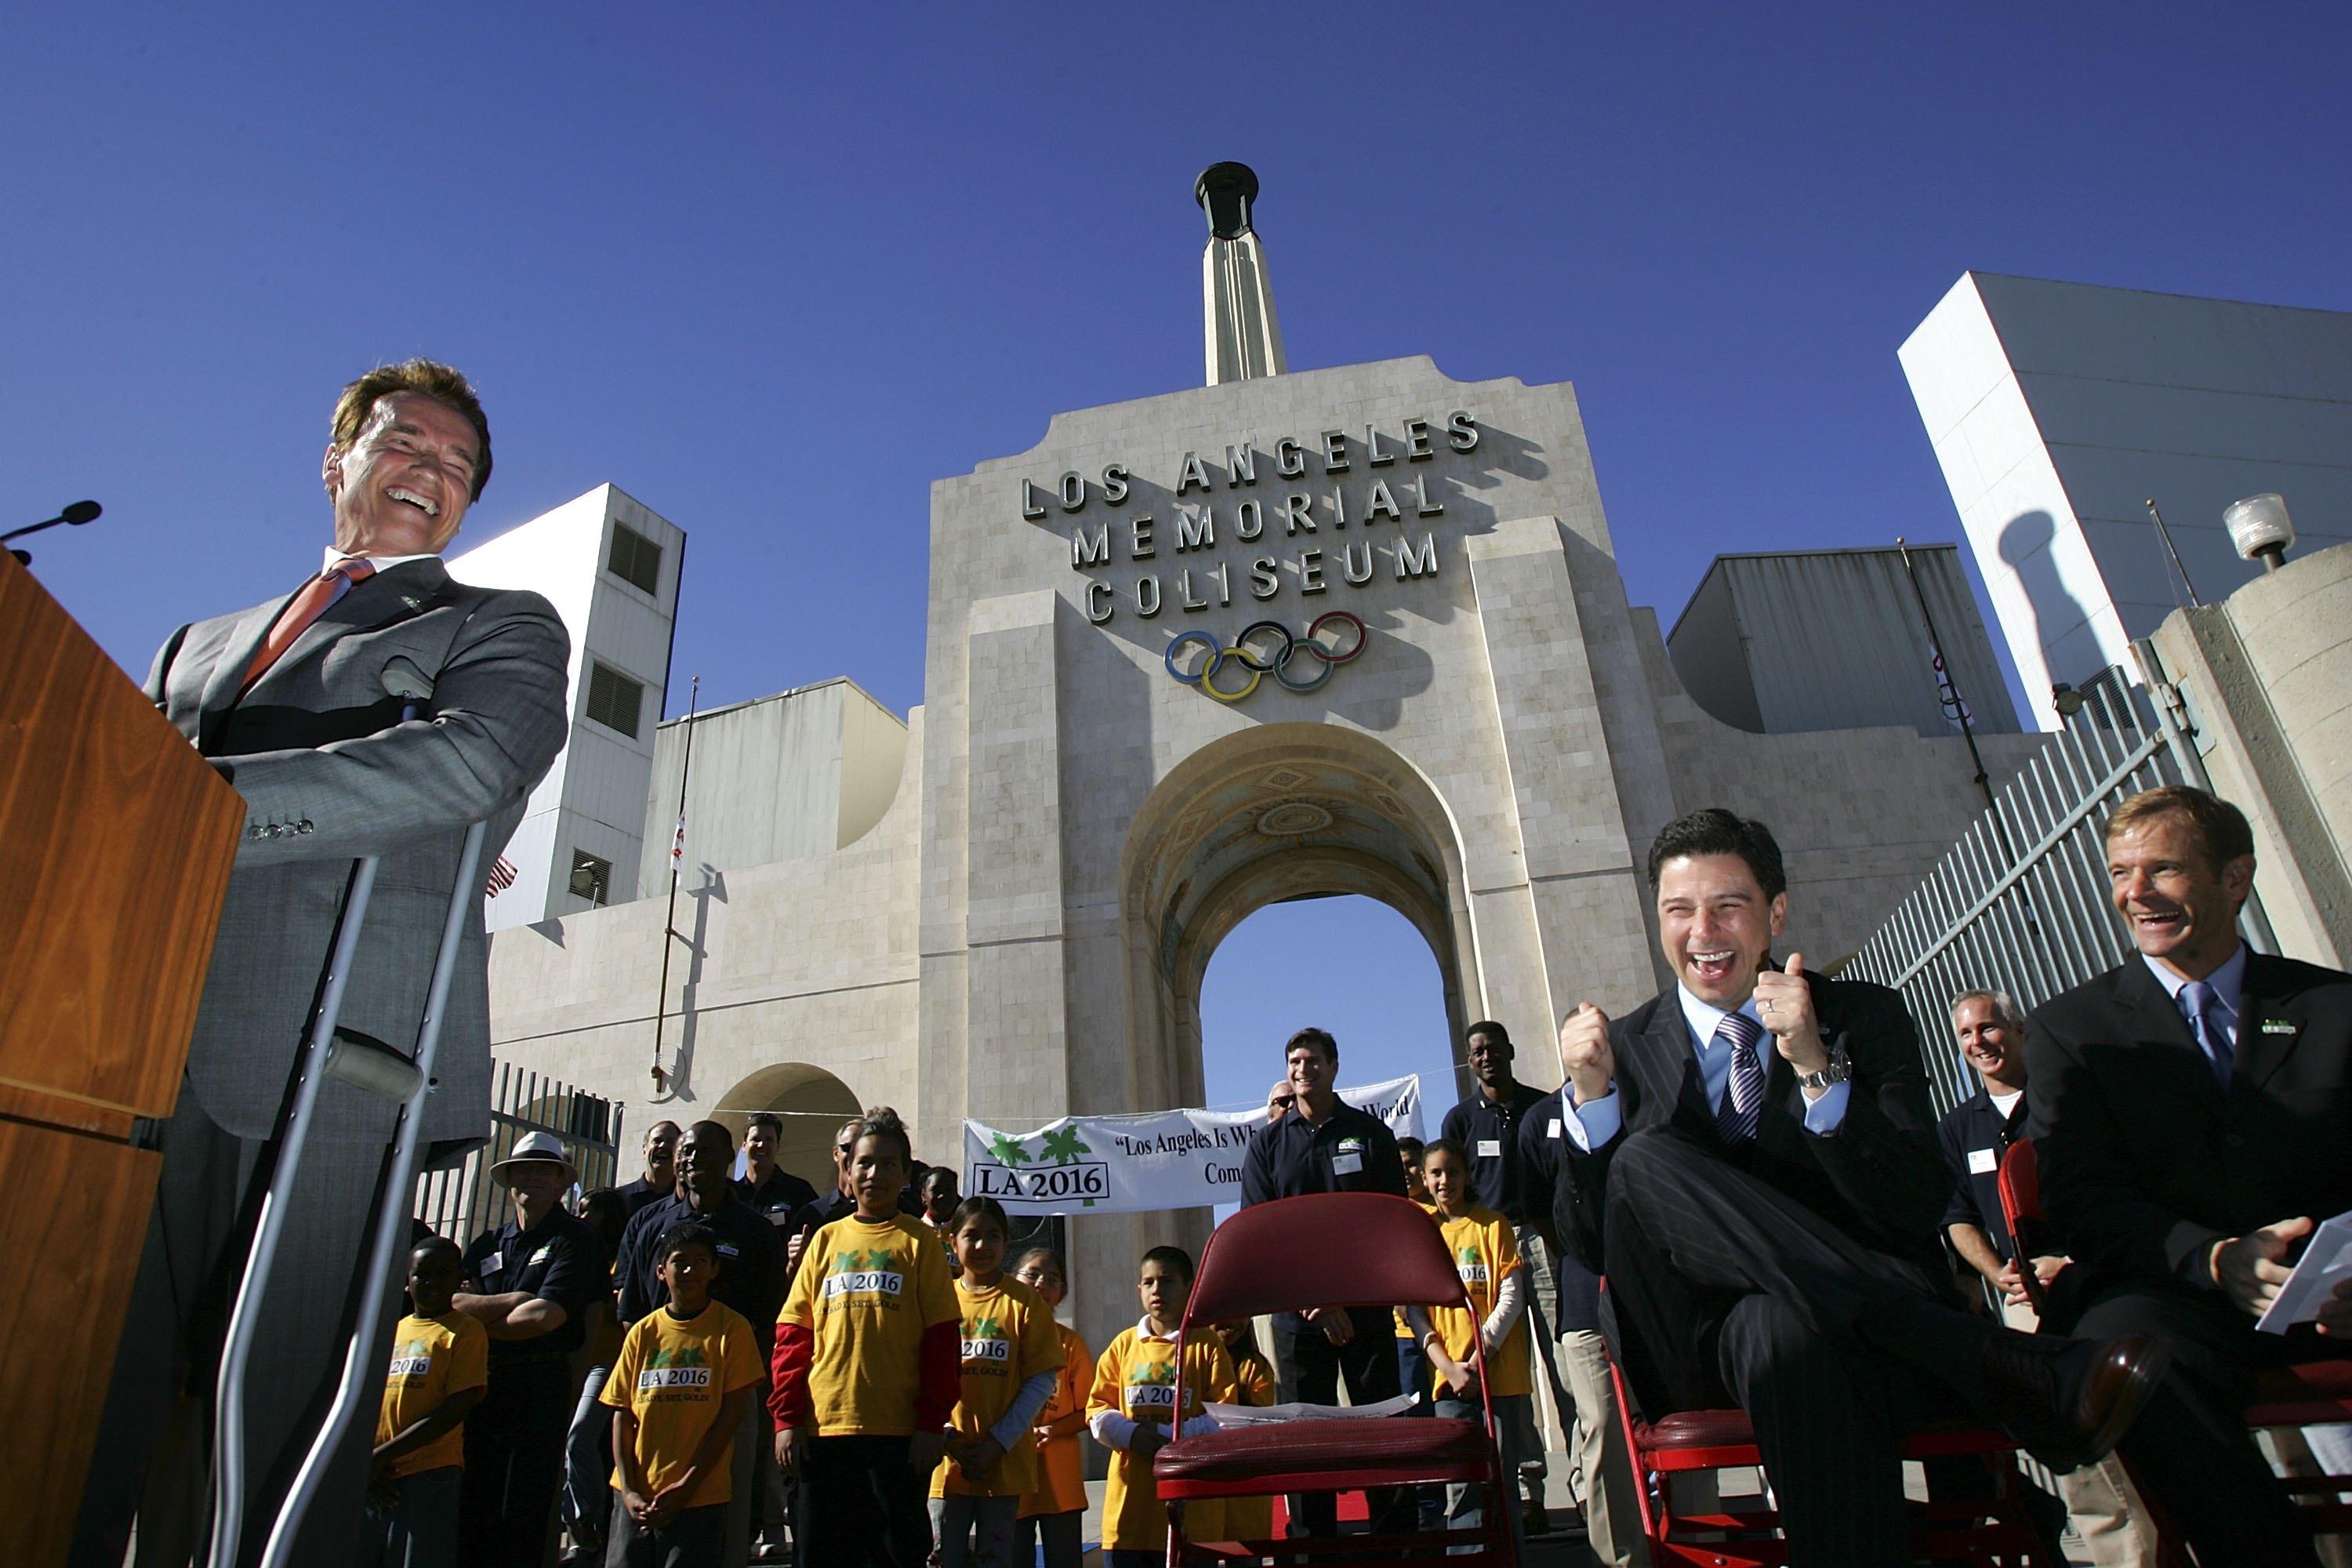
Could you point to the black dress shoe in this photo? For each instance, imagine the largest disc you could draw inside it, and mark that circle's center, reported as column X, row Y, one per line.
column 2069, row 1402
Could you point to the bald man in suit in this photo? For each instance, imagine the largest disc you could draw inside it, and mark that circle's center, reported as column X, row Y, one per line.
column 299, row 703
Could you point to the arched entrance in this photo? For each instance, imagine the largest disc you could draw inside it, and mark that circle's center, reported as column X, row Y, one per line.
column 1275, row 813
column 813, row 1104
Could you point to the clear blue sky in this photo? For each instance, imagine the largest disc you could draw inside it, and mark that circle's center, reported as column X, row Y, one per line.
column 772, row 269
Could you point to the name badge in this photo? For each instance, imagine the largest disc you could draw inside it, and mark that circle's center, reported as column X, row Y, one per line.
column 1490, row 1148
column 491, row 1265
column 1555, row 1128
column 727, row 1251
column 1348, row 1162
column 541, row 1256
column 1983, row 1162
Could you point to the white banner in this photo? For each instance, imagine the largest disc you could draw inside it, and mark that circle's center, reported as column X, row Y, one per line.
column 1128, row 1165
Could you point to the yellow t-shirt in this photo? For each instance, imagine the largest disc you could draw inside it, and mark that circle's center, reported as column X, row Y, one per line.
column 1239, row 1517
column 1061, row 1469
column 1484, row 1250
column 867, row 1289
column 673, row 1376
column 1008, row 1338
column 1403, row 1329
column 432, row 1357
column 1136, row 1378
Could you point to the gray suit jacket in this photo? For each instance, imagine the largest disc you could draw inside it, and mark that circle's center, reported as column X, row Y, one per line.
column 329, row 772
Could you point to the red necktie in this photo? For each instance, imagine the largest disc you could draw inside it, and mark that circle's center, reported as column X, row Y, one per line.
column 301, row 610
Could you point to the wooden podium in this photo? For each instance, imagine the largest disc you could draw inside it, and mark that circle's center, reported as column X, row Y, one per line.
column 116, row 841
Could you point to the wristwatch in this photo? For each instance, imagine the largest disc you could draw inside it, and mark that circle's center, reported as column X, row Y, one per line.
column 1841, row 1068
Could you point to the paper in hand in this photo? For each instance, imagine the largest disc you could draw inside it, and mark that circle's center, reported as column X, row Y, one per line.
column 2327, row 1263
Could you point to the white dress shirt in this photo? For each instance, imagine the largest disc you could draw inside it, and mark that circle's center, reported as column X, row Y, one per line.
column 2229, row 983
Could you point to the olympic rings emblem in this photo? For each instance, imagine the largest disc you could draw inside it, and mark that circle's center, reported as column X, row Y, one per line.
column 1267, row 647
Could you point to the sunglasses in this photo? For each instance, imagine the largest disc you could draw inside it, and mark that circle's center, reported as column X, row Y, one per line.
column 1284, row 1100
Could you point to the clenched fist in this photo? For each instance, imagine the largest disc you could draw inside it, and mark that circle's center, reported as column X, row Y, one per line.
column 1784, row 1005
column 1585, row 1059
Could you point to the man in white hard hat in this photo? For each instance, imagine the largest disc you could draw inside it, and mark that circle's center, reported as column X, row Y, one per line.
column 529, row 1282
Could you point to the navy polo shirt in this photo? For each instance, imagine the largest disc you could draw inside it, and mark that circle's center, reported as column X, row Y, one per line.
column 1975, row 1135
column 637, row 1195
column 1488, row 1131
column 751, row 1261
column 560, row 1260
column 1576, row 1289
column 1349, row 1151
column 777, row 1197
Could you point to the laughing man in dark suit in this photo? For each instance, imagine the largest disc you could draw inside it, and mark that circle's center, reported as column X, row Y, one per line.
column 1753, row 1170
column 2193, row 1112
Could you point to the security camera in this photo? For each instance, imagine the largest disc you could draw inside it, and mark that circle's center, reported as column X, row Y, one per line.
column 2261, row 529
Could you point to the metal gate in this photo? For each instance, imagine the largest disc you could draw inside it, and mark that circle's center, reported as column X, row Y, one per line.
column 2020, row 903
column 461, row 1204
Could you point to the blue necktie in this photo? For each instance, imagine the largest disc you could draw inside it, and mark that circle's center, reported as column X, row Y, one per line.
column 2203, row 1008
column 1743, row 1103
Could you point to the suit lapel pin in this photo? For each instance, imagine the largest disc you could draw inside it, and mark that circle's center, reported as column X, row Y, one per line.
column 2280, row 1026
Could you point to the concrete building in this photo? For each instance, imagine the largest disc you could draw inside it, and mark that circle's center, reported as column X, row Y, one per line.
column 610, row 565
column 1795, row 640
column 2058, row 410
column 1355, row 630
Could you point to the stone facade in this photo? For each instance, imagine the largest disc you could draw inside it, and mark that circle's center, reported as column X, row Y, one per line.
column 1024, row 933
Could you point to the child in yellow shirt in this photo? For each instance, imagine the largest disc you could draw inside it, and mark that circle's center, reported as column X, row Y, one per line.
column 1486, row 1254
column 1012, row 1359
column 1132, row 1411
column 1052, row 1516
column 867, row 1364
column 440, row 1364
column 1239, row 1517
column 678, row 1389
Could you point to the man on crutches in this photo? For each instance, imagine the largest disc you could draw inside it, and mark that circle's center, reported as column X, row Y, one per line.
column 368, row 717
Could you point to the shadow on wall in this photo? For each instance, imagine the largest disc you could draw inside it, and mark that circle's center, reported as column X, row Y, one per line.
column 2025, row 544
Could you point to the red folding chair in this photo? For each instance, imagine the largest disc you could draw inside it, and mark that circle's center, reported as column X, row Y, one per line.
column 1994, row 1532
column 1331, row 1250
column 2316, row 1393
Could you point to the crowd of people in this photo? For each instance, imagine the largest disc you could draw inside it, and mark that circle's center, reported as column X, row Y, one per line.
column 695, row 1368
column 1749, row 1161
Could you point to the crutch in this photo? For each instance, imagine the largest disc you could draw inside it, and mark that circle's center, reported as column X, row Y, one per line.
column 375, row 1069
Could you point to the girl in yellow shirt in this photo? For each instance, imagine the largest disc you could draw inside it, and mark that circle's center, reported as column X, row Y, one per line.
column 1053, row 1515
column 1010, row 1359
column 1486, row 1254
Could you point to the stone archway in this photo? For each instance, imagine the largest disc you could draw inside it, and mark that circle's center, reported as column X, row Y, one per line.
column 1269, row 814
column 812, row 1102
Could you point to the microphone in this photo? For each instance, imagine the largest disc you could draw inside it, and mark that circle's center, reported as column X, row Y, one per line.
column 73, row 516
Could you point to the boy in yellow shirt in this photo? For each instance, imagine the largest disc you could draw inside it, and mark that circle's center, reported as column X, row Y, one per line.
column 440, row 1364
column 867, row 1364
column 1012, row 1359
column 678, row 1389
column 1132, row 1411
column 1053, row 1517
column 1486, row 1254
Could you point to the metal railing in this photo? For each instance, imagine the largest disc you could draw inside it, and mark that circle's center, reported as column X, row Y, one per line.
column 2020, row 903
column 461, row 1204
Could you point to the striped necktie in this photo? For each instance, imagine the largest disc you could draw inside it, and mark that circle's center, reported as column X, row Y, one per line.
column 1743, row 1101
column 301, row 610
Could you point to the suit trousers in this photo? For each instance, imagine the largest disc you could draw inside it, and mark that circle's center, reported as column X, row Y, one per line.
column 2191, row 1450
column 1368, row 1361
column 153, row 1458
column 1721, row 1285
column 1613, row 1510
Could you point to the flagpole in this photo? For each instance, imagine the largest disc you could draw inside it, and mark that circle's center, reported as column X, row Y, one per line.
column 677, row 857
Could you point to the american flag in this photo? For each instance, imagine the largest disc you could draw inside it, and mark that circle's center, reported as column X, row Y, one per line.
column 502, row 877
